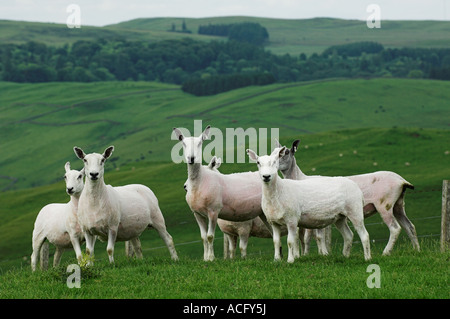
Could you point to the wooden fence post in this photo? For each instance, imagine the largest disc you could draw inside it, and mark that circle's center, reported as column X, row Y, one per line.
column 445, row 221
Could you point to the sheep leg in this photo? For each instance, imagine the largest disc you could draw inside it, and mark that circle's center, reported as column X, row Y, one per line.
column 76, row 246
column 226, row 247
column 135, row 244
column 347, row 234
column 292, row 239
column 358, row 223
column 400, row 215
column 243, row 243
column 232, row 243
column 212, row 222
column 160, row 225
column 307, row 241
column 202, row 224
column 37, row 246
column 112, row 235
column 90, row 242
column 301, row 236
column 44, row 253
column 129, row 252
column 57, row 257
column 276, row 241
column 394, row 228
column 319, row 234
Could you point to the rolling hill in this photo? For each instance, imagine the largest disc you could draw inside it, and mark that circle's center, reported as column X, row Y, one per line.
column 346, row 127
column 42, row 122
column 286, row 36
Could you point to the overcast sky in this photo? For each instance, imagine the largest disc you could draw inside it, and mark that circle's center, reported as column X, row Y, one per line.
column 103, row 12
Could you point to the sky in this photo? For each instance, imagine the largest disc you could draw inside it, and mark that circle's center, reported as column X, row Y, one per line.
column 104, row 12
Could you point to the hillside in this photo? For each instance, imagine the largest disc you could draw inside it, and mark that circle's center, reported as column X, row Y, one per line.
column 286, row 36
column 315, row 35
column 343, row 152
column 42, row 122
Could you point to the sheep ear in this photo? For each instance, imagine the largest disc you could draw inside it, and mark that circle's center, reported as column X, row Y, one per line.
column 107, row 153
column 281, row 151
column 205, row 134
column 218, row 162
column 213, row 162
column 295, row 146
column 82, row 172
column 79, row 152
column 67, row 167
column 252, row 155
column 178, row 134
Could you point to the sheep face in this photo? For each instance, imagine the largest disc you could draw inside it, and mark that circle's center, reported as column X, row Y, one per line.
column 94, row 162
column 268, row 165
column 192, row 146
column 287, row 159
column 74, row 180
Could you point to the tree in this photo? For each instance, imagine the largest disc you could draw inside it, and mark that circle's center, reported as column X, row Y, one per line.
column 249, row 32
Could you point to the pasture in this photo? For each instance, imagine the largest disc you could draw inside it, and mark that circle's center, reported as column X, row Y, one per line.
column 346, row 127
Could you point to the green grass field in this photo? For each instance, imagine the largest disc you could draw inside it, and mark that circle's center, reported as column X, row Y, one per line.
column 406, row 274
column 346, row 127
column 42, row 122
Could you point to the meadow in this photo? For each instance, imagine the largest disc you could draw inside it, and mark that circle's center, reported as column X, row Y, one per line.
column 346, row 127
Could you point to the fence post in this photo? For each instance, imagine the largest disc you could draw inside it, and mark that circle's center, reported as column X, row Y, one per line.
column 445, row 221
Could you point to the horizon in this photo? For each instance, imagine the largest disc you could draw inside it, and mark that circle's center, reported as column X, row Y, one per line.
column 218, row 17
column 110, row 12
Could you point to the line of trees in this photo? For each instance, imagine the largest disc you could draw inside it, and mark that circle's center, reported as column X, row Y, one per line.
column 179, row 61
column 249, row 32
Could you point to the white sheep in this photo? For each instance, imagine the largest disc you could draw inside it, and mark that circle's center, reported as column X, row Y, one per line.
column 211, row 194
column 58, row 224
column 117, row 213
column 242, row 230
column 310, row 203
column 383, row 192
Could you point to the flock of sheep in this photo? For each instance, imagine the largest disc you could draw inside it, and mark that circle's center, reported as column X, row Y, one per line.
column 260, row 204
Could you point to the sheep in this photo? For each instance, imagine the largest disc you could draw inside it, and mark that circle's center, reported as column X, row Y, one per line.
column 384, row 192
column 117, row 213
column 244, row 230
column 211, row 194
column 309, row 203
column 58, row 224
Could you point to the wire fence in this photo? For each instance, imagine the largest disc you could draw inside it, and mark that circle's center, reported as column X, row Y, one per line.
column 374, row 240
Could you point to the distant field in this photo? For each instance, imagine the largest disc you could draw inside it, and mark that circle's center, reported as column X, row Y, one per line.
column 42, row 122
column 315, row 35
column 286, row 36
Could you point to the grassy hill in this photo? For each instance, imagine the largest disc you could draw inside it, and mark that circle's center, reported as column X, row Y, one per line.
column 315, row 35
column 42, row 122
column 286, row 36
column 346, row 127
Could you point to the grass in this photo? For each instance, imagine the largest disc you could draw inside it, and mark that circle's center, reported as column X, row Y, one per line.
column 47, row 120
column 405, row 274
column 422, row 149
column 346, row 127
